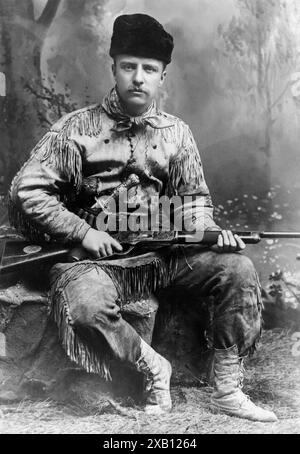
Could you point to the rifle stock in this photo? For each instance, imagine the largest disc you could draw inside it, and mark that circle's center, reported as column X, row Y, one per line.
column 15, row 258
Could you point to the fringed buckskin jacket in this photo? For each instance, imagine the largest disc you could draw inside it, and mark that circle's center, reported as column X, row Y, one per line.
column 75, row 168
column 89, row 153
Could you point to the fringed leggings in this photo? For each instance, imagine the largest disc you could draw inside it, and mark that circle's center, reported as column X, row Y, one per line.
column 88, row 299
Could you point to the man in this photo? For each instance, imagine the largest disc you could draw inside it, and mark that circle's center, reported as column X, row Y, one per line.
column 127, row 142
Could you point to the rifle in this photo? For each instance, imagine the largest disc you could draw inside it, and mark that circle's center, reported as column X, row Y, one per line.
column 18, row 253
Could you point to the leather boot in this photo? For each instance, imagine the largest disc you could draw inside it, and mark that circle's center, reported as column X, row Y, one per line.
column 157, row 371
column 227, row 396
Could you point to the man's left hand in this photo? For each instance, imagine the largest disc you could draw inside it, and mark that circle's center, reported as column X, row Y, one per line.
column 228, row 242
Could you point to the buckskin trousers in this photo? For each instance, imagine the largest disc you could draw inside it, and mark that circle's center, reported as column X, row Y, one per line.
column 88, row 302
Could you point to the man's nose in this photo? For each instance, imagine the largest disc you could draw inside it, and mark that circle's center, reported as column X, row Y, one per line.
column 138, row 77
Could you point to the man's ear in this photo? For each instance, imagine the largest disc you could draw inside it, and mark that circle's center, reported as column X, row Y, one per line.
column 162, row 77
column 113, row 68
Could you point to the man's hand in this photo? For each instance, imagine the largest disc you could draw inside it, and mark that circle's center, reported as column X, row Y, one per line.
column 100, row 244
column 227, row 242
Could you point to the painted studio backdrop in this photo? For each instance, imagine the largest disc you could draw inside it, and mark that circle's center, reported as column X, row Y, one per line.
column 235, row 79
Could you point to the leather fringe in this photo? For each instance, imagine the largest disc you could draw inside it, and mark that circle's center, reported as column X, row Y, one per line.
column 171, row 134
column 57, row 149
column 135, row 283
column 260, row 306
column 23, row 225
column 86, row 121
column 78, row 351
column 132, row 284
column 186, row 167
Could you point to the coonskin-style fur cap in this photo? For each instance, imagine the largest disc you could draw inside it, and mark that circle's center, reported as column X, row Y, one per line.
column 141, row 35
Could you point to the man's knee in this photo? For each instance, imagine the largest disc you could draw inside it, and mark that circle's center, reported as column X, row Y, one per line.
column 92, row 299
column 239, row 268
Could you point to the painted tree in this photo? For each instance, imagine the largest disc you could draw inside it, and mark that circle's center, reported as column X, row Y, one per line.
column 22, row 38
column 66, row 69
column 33, row 99
column 257, row 54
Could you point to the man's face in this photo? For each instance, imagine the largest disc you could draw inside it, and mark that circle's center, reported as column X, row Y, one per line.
column 138, row 81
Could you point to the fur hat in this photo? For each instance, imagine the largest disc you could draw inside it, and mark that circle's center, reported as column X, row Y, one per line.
column 141, row 35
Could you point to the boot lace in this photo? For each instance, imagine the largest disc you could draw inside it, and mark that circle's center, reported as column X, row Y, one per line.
column 148, row 375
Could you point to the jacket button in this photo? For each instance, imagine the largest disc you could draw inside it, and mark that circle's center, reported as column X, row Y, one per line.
column 154, row 146
column 106, row 141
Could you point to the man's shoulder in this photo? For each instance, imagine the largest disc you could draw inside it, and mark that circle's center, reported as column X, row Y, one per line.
column 173, row 120
column 179, row 130
column 84, row 117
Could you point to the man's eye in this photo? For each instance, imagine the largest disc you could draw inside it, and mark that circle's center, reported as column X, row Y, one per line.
column 128, row 67
column 149, row 69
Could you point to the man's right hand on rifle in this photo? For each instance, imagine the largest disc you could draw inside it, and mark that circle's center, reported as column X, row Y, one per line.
column 100, row 244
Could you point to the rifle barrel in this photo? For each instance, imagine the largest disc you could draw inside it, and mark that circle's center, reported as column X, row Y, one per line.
column 249, row 237
column 210, row 237
column 274, row 235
